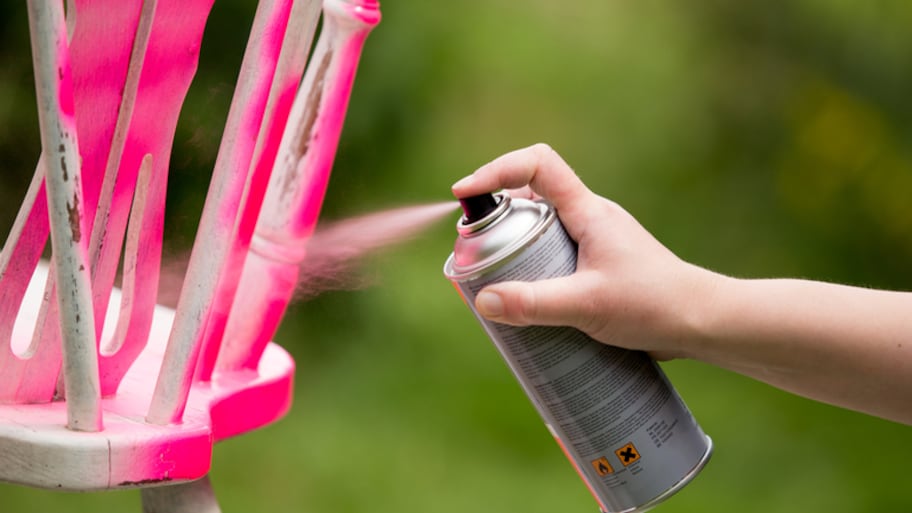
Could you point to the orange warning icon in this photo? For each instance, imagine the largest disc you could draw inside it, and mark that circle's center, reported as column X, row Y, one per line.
column 628, row 454
column 602, row 467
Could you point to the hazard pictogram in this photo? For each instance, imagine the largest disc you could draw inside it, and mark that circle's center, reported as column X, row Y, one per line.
column 628, row 454
column 602, row 467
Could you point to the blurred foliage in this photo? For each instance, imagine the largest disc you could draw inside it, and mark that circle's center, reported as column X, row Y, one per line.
column 756, row 138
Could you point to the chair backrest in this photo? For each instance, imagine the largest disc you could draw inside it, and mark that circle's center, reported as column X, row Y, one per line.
column 150, row 389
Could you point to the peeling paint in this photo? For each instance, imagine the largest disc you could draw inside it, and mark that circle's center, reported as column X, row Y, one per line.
column 74, row 219
column 144, row 482
column 305, row 135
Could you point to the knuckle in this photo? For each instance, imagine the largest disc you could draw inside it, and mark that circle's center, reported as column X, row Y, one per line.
column 594, row 307
column 542, row 148
column 526, row 304
column 544, row 153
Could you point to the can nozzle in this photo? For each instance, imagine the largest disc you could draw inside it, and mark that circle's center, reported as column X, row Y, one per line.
column 477, row 207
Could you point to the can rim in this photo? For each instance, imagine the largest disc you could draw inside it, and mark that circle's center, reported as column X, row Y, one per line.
column 469, row 229
column 502, row 256
column 675, row 488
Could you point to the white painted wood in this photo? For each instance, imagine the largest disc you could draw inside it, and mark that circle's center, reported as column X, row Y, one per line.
column 70, row 18
column 68, row 230
column 296, row 45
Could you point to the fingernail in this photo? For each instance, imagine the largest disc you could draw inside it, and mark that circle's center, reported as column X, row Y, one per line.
column 462, row 182
column 489, row 304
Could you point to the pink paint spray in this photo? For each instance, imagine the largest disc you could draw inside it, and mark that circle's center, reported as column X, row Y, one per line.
column 336, row 248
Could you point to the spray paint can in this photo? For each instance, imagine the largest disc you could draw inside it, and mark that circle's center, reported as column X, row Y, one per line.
column 613, row 412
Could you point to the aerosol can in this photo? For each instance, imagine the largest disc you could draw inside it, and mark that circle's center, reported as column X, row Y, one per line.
column 613, row 412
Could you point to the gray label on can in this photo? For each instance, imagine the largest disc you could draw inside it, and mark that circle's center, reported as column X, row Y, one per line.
column 612, row 410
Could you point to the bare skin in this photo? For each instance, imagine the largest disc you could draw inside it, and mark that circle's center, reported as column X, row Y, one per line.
column 847, row 346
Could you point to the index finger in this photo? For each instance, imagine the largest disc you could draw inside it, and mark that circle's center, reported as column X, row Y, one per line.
column 538, row 166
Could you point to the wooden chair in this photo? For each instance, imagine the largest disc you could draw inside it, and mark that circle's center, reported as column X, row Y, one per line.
column 100, row 387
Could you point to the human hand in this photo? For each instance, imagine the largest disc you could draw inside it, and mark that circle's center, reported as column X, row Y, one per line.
column 628, row 290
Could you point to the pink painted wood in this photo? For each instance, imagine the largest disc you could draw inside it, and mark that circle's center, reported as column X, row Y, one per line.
column 18, row 260
column 117, row 131
column 302, row 24
column 111, row 206
column 37, row 450
column 119, row 82
column 219, row 219
column 165, row 68
column 298, row 183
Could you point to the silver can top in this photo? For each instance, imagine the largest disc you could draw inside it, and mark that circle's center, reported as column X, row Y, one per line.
column 484, row 244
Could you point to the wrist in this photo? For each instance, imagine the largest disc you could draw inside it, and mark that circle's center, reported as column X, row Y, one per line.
column 705, row 298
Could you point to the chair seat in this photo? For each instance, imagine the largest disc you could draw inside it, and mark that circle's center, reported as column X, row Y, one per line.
column 36, row 448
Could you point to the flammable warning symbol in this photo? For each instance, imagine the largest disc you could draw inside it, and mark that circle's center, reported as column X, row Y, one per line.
column 602, row 467
column 628, row 454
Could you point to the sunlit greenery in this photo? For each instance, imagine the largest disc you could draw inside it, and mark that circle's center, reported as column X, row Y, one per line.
column 757, row 138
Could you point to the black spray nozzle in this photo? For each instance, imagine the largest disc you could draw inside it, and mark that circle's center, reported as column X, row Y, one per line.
column 477, row 207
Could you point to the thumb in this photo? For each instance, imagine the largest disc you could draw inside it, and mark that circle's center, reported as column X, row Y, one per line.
column 552, row 302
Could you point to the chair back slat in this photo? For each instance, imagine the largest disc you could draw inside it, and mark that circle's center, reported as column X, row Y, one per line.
column 18, row 260
column 139, row 286
column 218, row 222
column 171, row 32
column 119, row 177
column 105, row 28
column 102, row 39
column 298, row 183
column 69, row 236
column 31, row 376
column 126, row 99
column 302, row 23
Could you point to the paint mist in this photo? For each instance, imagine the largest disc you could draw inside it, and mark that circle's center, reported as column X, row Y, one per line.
column 335, row 250
column 337, row 247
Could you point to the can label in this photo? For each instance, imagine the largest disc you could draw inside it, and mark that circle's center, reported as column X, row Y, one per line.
column 613, row 411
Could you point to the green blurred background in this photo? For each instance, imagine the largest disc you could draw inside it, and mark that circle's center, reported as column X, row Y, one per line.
column 756, row 138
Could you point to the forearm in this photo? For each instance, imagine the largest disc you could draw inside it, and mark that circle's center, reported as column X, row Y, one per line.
column 842, row 345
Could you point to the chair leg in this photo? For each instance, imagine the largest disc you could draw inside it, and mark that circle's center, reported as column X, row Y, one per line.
column 193, row 497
